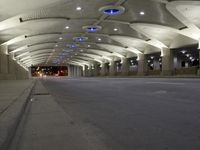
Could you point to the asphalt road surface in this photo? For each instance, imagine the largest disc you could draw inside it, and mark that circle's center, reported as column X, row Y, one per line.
column 133, row 114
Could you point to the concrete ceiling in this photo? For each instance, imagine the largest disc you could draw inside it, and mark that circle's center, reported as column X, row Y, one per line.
column 43, row 32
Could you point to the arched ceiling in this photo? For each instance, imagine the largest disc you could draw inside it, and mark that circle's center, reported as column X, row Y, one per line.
column 44, row 32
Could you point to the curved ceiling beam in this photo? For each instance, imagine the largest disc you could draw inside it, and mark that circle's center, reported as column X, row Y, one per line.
column 26, row 47
column 35, row 56
column 136, row 45
column 84, row 57
column 81, row 61
column 25, row 37
column 118, row 49
column 155, row 34
column 28, row 60
column 31, row 61
column 33, row 53
column 191, row 29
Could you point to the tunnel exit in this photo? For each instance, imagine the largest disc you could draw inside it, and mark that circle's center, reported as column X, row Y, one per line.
column 42, row 71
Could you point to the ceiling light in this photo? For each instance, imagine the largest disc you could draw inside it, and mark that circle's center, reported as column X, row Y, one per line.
column 112, row 10
column 115, row 29
column 142, row 13
column 92, row 28
column 60, row 38
column 99, row 39
column 78, row 8
column 183, row 51
column 80, row 39
column 89, row 45
column 188, row 55
column 67, row 27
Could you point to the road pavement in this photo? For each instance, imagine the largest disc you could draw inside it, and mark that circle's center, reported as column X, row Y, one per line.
column 132, row 114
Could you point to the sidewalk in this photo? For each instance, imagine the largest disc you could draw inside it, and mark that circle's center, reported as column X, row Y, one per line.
column 13, row 96
column 46, row 126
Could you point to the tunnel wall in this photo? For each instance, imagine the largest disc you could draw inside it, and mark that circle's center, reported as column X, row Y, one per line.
column 9, row 68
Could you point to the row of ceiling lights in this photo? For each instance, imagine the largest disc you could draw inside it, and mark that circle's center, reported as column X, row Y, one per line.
column 107, row 10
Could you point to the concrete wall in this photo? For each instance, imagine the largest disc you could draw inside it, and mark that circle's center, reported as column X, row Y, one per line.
column 10, row 69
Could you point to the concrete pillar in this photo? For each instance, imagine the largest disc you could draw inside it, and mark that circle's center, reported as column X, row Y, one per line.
column 4, row 60
column 198, row 72
column 11, row 68
column 95, row 69
column 69, row 70
column 75, row 71
column 167, row 62
column 89, row 71
column 125, row 66
column 78, row 71
column 103, row 69
column 142, row 65
column 29, row 73
column 112, row 70
column 84, row 71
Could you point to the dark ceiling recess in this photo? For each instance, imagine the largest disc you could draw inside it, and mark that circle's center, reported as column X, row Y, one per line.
column 182, row 28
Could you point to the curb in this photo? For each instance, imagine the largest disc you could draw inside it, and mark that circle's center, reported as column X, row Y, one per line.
column 10, row 119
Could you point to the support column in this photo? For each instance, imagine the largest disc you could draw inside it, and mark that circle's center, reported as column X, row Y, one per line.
column 112, row 68
column 29, row 73
column 69, row 70
column 4, row 63
column 142, row 65
column 89, row 71
column 167, row 62
column 84, row 71
column 198, row 72
column 125, row 66
column 95, row 70
column 103, row 69
column 78, row 71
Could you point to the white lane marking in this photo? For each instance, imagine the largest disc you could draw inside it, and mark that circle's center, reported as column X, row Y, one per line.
column 169, row 83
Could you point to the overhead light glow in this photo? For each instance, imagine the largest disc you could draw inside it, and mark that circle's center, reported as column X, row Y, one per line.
column 115, row 29
column 78, row 8
column 60, row 38
column 142, row 13
column 67, row 27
